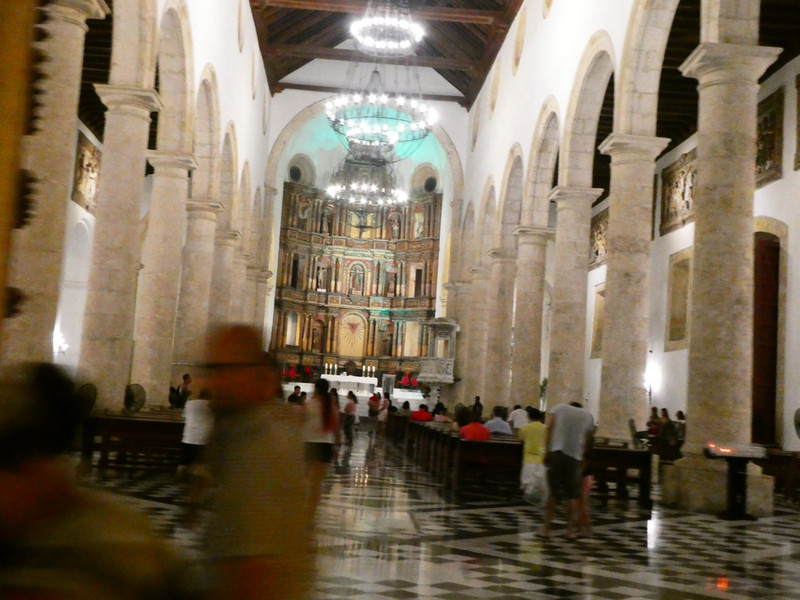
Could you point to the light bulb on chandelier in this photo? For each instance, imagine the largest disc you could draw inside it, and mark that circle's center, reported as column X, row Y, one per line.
column 386, row 29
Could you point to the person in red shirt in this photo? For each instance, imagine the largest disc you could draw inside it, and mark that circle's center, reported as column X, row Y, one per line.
column 469, row 429
column 422, row 414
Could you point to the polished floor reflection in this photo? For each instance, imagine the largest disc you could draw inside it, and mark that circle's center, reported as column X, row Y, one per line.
column 384, row 531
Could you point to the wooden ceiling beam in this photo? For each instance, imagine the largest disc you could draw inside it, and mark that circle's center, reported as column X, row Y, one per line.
column 279, row 87
column 318, row 52
column 459, row 15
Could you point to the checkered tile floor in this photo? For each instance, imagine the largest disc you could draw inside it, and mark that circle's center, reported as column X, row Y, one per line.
column 386, row 533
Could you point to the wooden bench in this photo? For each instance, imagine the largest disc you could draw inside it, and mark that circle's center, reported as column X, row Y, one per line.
column 131, row 441
column 622, row 466
column 784, row 466
column 492, row 466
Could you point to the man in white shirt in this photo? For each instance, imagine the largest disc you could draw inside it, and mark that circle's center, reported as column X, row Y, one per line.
column 497, row 424
column 569, row 426
column 518, row 418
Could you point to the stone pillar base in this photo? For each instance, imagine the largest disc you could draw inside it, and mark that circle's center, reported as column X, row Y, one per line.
column 699, row 484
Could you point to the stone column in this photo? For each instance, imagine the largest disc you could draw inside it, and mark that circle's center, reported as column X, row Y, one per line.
column 720, row 349
column 239, row 286
column 222, row 277
column 160, row 275
column 458, row 293
column 502, row 271
column 478, row 312
column 38, row 249
column 107, row 345
column 191, row 323
column 526, row 362
column 627, row 309
column 568, row 328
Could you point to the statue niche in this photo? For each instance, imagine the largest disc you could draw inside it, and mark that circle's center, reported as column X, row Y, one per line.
column 356, row 280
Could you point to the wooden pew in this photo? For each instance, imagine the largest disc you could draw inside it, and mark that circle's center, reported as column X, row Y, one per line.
column 614, row 464
column 131, row 441
column 492, row 466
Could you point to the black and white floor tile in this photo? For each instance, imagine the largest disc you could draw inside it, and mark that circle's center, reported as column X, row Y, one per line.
column 385, row 532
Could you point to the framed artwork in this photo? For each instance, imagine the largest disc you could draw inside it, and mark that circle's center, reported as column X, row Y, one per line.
column 599, row 229
column 87, row 171
column 769, row 152
column 677, row 193
column 679, row 299
column 597, row 320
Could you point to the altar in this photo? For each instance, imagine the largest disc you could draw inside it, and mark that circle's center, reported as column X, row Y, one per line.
column 362, row 387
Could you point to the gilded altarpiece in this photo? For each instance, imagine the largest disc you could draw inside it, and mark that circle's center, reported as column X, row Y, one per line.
column 599, row 235
column 355, row 284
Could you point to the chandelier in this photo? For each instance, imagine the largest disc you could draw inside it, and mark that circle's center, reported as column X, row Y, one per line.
column 386, row 30
column 373, row 122
column 365, row 182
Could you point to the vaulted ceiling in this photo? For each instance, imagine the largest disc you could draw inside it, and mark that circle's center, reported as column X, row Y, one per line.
column 462, row 38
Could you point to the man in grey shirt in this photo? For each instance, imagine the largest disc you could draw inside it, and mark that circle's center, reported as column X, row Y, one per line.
column 568, row 428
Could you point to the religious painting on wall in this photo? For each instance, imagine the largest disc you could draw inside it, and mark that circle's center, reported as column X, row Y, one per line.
column 769, row 152
column 303, row 211
column 352, row 335
column 87, row 170
column 597, row 320
column 599, row 233
column 677, row 193
column 419, row 224
column 679, row 295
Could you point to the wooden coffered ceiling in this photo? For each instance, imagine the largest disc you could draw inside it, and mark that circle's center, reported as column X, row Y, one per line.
column 462, row 38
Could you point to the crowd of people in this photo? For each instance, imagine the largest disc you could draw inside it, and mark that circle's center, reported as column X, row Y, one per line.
column 242, row 450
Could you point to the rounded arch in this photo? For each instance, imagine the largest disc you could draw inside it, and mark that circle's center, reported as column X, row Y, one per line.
column 228, row 192
column 352, row 334
column 586, row 100
column 175, row 64
column 133, row 55
column 318, row 108
column 205, row 179
column 541, row 167
column 425, row 178
column 510, row 209
column 301, row 170
column 640, row 68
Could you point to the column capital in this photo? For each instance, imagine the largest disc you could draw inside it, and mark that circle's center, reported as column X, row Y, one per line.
column 203, row 210
column 264, row 276
column 712, row 63
column 628, row 148
column 270, row 191
column 531, row 234
column 479, row 272
column 243, row 256
column 456, row 286
column 171, row 162
column 502, row 255
column 77, row 12
column 137, row 102
column 563, row 193
column 228, row 238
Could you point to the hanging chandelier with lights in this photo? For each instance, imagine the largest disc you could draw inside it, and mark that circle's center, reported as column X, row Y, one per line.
column 376, row 122
column 364, row 182
column 386, row 29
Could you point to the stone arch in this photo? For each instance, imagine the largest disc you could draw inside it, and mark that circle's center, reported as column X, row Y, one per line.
column 586, row 100
column 228, row 192
column 421, row 176
column 205, row 179
column 133, row 54
column 306, row 173
column 541, row 168
column 510, row 210
column 318, row 108
column 175, row 64
column 640, row 68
